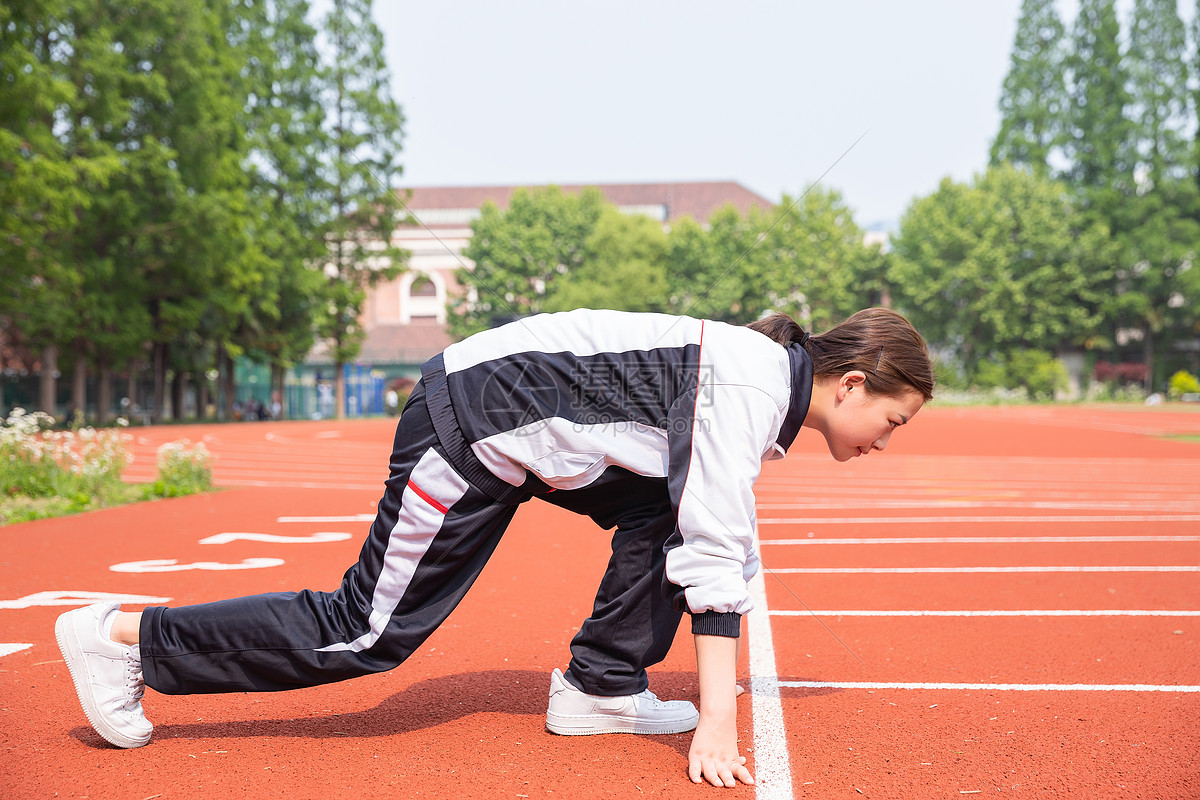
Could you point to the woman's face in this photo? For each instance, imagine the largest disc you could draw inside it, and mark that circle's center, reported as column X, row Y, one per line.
column 860, row 422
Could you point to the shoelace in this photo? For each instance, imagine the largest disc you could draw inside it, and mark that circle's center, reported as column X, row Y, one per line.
column 135, row 687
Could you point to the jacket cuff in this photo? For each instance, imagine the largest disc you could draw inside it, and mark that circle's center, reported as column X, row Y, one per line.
column 717, row 623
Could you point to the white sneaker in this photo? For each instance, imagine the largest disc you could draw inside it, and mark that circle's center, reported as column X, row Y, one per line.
column 107, row 675
column 575, row 713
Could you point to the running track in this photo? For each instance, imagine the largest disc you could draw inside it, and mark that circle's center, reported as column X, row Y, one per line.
column 1004, row 604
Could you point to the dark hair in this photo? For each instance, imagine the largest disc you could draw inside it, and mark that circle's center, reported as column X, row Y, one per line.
column 876, row 341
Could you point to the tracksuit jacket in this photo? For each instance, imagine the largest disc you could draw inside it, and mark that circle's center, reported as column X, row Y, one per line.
column 699, row 403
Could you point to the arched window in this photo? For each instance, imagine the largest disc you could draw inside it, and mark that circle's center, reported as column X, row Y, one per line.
column 422, row 286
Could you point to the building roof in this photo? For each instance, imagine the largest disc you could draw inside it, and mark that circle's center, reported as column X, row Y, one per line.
column 697, row 200
column 395, row 343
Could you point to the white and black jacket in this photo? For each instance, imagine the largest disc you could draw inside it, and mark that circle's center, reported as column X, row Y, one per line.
column 560, row 398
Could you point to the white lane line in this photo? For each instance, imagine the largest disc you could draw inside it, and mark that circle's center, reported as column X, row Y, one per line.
column 172, row 565
column 1091, row 505
column 772, row 767
column 993, row 613
column 976, row 519
column 286, row 484
column 312, row 538
column 994, row 687
column 984, row 540
column 920, row 570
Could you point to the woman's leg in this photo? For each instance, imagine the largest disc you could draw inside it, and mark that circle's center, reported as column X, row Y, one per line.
column 631, row 626
column 431, row 537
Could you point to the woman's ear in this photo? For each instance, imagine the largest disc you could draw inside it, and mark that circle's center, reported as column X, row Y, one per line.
column 849, row 382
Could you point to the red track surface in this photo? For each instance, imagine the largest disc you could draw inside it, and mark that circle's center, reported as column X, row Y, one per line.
column 464, row 717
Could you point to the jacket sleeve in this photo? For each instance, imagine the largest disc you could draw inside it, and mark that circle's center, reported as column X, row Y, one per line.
column 716, row 445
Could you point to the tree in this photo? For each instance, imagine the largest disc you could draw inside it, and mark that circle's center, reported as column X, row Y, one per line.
column 1155, row 223
column 521, row 254
column 1099, row 138
column 1001, row 265
column 44, row 180
column 1034, row 95
column 624, row 267
column 366, row 129
column 819, row 270
column 721, row 272
column 290, row 194
column 1155, row 289
column 1159, row 89
column 1195, row 70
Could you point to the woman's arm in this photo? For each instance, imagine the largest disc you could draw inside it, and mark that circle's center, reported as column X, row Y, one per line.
column 714, row 752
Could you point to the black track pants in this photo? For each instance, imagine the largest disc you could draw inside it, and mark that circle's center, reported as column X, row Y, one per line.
column 432, row 535
column 632, row 625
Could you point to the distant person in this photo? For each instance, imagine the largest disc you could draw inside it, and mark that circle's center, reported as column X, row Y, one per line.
column 654, row 424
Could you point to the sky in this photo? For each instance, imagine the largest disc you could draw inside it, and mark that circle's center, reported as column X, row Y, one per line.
column 769, row 94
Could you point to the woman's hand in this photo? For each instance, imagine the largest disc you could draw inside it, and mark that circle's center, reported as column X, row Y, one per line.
column 713, row 756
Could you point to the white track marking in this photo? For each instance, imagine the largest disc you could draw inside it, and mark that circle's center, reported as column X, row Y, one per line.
column 921, row 570
column 8, row 648
column 78, row 599
column 311, row 538
column 343, row 518
column 772, row 767
column 1061, row 505
column 172, row 565
column 993, row 613
column 993, row 687
column 979, row 519
column 986, row 540
column 292, row 484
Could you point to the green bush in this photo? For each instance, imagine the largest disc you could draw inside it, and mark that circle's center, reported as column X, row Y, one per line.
column 1039, row 373
column 182, row 470
column 38, row 462
column 991, row 374
column 48, row 473
column 1182, row 383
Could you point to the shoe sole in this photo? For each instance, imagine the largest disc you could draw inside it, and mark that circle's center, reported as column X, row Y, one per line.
column 72, row 654
column 594, row 725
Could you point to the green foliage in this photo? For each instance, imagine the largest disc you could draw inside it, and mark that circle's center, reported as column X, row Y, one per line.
column 1099, row 141
column 522, row 253
column 720, row 271
column 550, row 251
column 1181, row 383
column 1033, row 98
column 44, row 472
column 365, row 129
column 1037, row 372
column 816, row 266
column 1159, row 88
column 624, row 267
column 172, row 182
column 182, row 470
column 1002, row 264
column 1040, row 373
column 49, row 473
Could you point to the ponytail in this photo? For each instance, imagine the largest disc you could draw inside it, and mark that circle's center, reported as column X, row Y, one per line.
column 878, row 342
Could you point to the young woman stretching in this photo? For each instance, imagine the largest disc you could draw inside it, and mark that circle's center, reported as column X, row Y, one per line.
column 653, row 424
